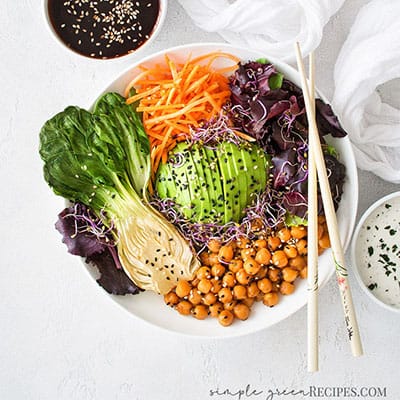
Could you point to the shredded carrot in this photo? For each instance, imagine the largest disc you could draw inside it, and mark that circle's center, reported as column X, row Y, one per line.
column 175, row 97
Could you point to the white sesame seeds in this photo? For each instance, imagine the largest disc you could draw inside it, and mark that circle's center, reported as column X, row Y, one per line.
column 103, row 28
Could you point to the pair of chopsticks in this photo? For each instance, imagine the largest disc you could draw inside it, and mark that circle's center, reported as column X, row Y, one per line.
column 316, row 166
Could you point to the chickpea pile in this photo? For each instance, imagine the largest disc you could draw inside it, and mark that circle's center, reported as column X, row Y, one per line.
column 234, row 276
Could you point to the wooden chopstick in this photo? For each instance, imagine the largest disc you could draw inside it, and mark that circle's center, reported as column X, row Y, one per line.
column 312, row 246
column 330, row 215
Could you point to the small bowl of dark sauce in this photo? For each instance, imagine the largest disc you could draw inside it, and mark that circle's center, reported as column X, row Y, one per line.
column 105, row 29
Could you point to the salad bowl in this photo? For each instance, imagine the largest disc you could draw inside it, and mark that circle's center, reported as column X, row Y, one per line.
column 150, row 307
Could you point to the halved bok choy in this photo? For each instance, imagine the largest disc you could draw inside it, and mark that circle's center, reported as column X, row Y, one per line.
column 102, row 159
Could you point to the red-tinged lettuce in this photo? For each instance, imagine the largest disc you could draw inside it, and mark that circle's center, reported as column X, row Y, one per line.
column 112, row 280
column 275, row 116
column 78, row 225
column 85, row 235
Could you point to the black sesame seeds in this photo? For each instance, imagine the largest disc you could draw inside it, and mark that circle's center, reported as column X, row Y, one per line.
column 103, row 29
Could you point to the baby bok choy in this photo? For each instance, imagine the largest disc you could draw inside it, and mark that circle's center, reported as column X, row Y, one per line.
column 102, row 159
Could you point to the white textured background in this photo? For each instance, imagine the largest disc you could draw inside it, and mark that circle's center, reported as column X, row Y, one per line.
column 60, row 338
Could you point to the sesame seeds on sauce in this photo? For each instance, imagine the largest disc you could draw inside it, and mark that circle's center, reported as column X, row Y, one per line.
column 103, row 29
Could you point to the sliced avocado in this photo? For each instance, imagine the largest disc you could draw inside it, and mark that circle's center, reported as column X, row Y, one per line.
column 202, row 183
column 231, row 154
column 190, row 191
column 165, row 184
column 242, row 193
column 213, row 185
column 260, row 169
column 209, row 176
column 227, row 183
column 253, row 167
column 216, row 183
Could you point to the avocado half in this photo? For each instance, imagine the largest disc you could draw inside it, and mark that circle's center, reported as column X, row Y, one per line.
column 213, row 184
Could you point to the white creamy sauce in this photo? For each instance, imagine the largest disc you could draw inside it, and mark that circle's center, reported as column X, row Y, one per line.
column 378, row 252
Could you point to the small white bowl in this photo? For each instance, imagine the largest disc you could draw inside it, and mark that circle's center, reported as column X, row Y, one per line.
column 153, row 34
column 375, row 252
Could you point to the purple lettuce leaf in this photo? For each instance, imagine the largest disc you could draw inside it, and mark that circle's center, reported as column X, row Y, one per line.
column 79, row 243
column 277, row 120
column 295, row 203
column 112, row 279
column 327, row 121
column 85, row 235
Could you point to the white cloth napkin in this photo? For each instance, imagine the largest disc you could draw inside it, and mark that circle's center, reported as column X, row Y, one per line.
column 370, row 57
column 270, row 26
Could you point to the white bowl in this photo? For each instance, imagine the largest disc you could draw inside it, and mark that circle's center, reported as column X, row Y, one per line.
column 156, row 29
column 375, row 252
column 150, row 307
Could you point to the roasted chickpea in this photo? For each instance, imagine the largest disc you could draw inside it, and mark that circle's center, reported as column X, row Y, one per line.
column 229, row 279
column 263, row 256
column 252, row 290
column 260, row 244
column 265, row 285
column 286, row 288
column 251, row 266
column 249, row 301
column 297, row 263
column 273, row 242
column 195, row 282
column 248, row 252
column 298, row 232
column 225, row 318
column 242, row 277
column 230, row 305
column 225, row 295
column 284, row 234
column 200, row 312
column 203, row 272
column 171, row 298
column 209, row 298
column 184, row 307
column 301, row 246
column 204, row 286
column 215, row 309
column 271, row 299
column 260, row 296
column 279, row 259
column 289, row 274
column 214, row 245
column 194, row 297
column 275, row 287
column 303, row 273
column 239, row 292
column 218, row 270
column 213, row 259
column 235, row 265
column 205, row 258
column 226, row 253
column 216, row 285
column 320, row 231
column 241, row 311
column 183, row 288
column 242, row 243
column 274, row 274
column 324, row 242
column 290, row 251
column 262, row 273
